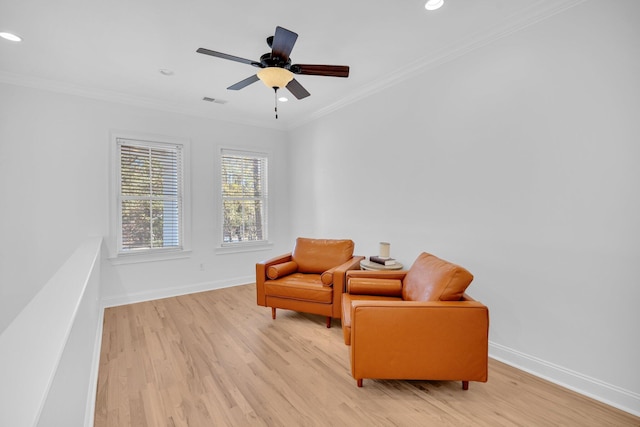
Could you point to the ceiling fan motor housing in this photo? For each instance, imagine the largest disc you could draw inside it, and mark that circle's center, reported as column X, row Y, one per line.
column 268, row 60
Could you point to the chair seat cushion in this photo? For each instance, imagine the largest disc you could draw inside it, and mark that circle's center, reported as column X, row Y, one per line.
column 347, row 299
column 299, row 286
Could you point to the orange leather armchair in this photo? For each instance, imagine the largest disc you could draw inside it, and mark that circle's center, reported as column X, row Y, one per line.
column 310, row 279
column 417, row 324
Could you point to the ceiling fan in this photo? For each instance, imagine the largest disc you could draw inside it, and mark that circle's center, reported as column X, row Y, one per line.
column 276, row 68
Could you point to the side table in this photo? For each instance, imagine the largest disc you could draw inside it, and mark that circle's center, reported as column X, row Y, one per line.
column 365, row 264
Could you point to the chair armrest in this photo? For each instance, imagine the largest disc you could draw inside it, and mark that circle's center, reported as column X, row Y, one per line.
column 261, row 274
column 262, row 266
column 276, row 260
column 339, row 272
column 410, row 340
column 436, row 340
column 339, row 283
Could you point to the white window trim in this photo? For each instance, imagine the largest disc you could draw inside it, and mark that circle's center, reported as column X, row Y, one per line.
column 237, row 247
column 114, row 232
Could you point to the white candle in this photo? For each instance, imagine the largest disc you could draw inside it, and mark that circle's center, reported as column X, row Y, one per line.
column 385, row 249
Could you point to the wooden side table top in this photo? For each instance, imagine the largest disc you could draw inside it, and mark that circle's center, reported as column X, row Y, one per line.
column 365, row 264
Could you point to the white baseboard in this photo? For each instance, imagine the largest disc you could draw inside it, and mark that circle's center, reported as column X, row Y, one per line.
column 609, row 394
column 174, row 291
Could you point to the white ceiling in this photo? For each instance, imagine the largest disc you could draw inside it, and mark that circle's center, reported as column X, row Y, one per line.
column 114, row 49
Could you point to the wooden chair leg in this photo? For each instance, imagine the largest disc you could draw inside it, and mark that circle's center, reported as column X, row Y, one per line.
column 359, row 382
column 273, row 313
column 465, row 385
column 328, row 321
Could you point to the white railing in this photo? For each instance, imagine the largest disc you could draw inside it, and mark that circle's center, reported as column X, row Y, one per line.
column 48, row 363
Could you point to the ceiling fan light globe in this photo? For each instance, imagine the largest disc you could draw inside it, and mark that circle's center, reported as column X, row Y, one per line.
column 275, row 77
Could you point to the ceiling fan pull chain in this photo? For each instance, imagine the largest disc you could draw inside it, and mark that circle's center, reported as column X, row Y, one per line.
column 275, row 90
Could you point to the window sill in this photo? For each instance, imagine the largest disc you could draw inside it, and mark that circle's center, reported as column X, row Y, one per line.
column 243, row 247
column 137, row 258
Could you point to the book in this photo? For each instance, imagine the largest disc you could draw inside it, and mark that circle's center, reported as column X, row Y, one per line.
column 381, row 260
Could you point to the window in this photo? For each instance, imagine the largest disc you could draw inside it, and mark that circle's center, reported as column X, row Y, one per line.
column 244, row 197
column 150, row 196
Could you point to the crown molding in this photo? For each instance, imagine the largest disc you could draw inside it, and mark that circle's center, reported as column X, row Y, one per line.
column 536, row 12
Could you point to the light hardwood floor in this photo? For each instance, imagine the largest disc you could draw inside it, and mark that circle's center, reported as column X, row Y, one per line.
column 217, row 359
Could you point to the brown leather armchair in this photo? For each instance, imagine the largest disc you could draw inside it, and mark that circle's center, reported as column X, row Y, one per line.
column 310, row 279
column 417, row 324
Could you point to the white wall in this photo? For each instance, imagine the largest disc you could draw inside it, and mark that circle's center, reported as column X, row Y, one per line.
column 54, row 183
column 518, row 161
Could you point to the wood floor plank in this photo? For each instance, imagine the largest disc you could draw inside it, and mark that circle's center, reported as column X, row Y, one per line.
column 217, row 359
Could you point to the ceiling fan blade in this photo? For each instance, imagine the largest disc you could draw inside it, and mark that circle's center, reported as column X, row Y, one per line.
column 226, row 56
column 297, row 90
column 283, row 41
column 244, row 83
column 321, row 70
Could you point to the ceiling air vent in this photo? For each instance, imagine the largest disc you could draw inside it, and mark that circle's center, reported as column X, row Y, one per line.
column 214, row 100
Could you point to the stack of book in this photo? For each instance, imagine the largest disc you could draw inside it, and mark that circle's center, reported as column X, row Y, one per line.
column 382, row 260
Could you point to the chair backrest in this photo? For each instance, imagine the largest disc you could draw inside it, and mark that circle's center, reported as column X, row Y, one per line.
column 433, row 279
column 320, row 255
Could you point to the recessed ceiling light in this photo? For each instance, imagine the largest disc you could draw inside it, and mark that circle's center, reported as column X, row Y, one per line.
column 283, row 99
column 433, row 4
column 166, row 72
column 11, row 37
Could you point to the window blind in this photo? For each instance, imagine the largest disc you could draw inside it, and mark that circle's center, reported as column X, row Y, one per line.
column 150, row 197
column 244, row 196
